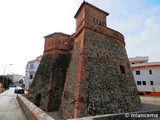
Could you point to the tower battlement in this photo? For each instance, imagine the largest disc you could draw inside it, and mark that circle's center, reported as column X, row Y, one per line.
column 57, row 43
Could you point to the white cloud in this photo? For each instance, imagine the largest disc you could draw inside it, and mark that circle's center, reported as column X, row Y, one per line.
column 147, row 41
column 152, row 51
column 152, row 29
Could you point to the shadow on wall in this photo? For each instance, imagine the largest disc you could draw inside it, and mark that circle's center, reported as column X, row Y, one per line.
column 38, row 99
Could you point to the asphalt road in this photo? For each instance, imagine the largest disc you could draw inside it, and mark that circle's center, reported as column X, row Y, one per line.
column 9, row 107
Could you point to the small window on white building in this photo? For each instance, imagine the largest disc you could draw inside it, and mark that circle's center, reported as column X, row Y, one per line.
column 31, row 76
column 148, row 92
column 150, row 72
column 138, row 72
column 32, row 66
column 151, row 82
column 138, row 82
column 144, row 82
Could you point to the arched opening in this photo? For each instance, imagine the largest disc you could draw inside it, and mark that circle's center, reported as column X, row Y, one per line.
column 38, row 99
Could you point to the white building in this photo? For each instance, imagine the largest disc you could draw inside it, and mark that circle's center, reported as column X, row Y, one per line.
column 15, row 77
column 31, row 69
column 146, row 75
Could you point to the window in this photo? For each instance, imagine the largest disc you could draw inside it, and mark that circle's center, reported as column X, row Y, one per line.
column 138, row 72
column 144, row 82
column 122, row 69
column 138, row 82
column 31, row 66
column 96, row 20
column 103, row 23
column 148, row 92
column 93, row 19
column 150, row 72
column 151, row 82
column 140, row 93
column 99, row 22
column 31, row 77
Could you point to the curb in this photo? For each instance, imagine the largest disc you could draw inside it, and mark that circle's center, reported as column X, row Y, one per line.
column 31, row 111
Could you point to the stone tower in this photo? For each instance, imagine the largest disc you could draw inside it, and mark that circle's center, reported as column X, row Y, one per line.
column 86, row 73
column 99, row 78
column 48, row 83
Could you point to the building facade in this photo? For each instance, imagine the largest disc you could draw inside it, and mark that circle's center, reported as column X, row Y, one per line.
column 146, row 75
column 82, row 74
column 31, row 69
column 15, row 77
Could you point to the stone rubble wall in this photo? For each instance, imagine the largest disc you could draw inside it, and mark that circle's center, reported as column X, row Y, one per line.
column 48, row 84
column 31, row 111
column 95, row 84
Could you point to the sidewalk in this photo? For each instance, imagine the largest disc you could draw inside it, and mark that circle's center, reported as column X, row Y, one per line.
column 149, row 103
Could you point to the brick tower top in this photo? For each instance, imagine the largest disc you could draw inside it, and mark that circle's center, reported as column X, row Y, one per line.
column 56, row 43
column 90, row 13
column 94, row 19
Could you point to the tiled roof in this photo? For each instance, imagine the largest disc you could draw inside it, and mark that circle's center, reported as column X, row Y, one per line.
column 139, row 58
column 145, row 65
column 56, row 33
column 90, row 6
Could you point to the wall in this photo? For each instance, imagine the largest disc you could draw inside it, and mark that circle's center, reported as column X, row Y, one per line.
column 97, row 85
column 55, row 41
column 47, row 86
column 97, row 79
column 145, row 76
column 34, row 113
column 31, row 111
column 31, row 69
column 17, row 77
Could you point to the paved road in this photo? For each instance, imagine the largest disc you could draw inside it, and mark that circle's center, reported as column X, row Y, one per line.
column 9, row 107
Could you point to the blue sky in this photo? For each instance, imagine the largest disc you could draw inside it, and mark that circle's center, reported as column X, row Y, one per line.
column 24, row 23
column 139, row 22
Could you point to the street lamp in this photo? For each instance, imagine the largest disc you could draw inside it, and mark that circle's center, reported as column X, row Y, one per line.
column 4, row 72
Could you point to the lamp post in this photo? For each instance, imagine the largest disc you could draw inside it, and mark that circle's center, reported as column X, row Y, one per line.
column 4, row 72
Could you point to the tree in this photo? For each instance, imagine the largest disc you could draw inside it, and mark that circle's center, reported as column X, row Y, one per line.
column 21, row 81
column 6, row 81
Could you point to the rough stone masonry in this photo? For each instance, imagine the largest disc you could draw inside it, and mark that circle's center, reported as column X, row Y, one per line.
column 86, row 73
